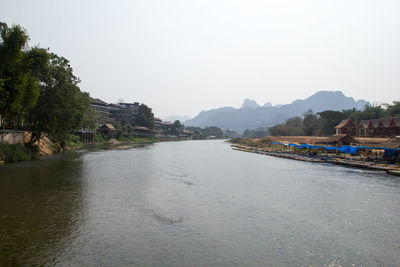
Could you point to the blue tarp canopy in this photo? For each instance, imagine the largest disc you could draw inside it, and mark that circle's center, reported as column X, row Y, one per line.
column 344, row 149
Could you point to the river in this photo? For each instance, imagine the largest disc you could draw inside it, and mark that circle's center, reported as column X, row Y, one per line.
column 195, row 203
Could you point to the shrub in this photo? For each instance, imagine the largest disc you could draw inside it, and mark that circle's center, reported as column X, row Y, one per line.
column 73, row 140
column 16, row 152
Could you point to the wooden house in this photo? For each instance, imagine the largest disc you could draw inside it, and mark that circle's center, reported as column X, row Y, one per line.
column 338, row 140
column 346, row 126
column 107, row 129
column 141, row 131
column 394, row 127
column 383, row 127
column 363, row 128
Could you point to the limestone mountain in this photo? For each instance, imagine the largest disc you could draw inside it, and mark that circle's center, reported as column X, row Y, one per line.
column 248, row 103
column 251, row 115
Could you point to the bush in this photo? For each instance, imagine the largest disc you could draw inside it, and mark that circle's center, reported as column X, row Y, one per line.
column 16, row 152
column 73, row 140
column 99, row 138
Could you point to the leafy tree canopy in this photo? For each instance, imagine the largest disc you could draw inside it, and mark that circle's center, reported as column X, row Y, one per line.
column 145, row 117
column 19, row 88
column 38, row 90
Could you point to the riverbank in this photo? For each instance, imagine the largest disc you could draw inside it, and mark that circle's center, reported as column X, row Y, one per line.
column 276, row 151
column 114, row 143
column 15, row 152
column 10, row 153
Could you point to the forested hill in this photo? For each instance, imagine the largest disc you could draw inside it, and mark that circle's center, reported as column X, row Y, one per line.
column 253, row 116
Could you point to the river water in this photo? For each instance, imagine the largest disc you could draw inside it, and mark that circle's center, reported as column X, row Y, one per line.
column 195, row 203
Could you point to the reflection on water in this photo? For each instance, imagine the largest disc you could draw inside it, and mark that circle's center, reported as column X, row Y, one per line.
column 41, row 208
column 195, row 203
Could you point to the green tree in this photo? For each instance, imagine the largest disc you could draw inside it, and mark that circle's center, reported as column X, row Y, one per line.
column 257, row 133
column 174, row 129
column 292, row 127
column 394, row 109
column 328, row 120
column 310, row 123
column 19, row 88
column 145, row 117
column 61, row 107
column 213, row 131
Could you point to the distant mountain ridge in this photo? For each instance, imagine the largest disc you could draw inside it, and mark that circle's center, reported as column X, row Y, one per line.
column 173, row 118
column 251, row 115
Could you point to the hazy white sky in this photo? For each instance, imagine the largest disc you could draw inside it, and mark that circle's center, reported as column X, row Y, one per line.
column 181, row 57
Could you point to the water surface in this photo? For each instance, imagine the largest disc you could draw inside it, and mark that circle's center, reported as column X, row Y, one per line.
column 195, row 203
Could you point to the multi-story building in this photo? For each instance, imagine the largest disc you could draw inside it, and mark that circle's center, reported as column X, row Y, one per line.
column 157, row 123
column 101, row 107
column 124, row 112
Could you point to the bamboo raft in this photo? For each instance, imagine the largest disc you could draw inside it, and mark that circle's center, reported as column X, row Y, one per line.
column 389, row 169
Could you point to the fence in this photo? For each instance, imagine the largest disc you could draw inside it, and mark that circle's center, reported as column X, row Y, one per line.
column 12, row 136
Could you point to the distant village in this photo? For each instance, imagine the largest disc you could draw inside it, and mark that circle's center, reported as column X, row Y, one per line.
column 114, row 116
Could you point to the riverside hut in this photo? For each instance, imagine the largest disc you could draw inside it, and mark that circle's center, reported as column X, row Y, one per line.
column 394, row 127
column 107, row 129
column 363, row 128
column 383, row 127
column 346, row 126
column 372, row 127
column 339, row 140
column 141, row 131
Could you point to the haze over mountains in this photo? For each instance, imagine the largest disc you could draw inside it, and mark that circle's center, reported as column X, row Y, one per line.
column 251, row 115
column 173, row 118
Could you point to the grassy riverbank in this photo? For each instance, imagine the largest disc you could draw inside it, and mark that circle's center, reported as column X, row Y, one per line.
column 16, row 152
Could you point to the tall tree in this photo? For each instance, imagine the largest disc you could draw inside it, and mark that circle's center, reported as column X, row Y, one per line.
column 328, row 120
column 61, row 107
column 145, row 117
column 19, row 88
column 394, row 109
column 310, row 122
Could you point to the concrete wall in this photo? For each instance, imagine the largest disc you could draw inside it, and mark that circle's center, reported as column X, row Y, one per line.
column 12, row 137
